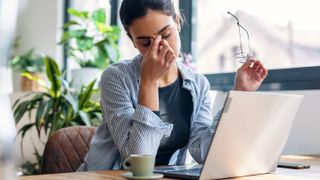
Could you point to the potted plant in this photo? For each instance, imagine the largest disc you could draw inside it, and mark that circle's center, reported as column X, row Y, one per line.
column 91, row 43
column 31, row 66
column 58, row 107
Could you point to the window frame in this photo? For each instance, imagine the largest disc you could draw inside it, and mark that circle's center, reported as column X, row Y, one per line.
column 66, row 18
column 304, row 78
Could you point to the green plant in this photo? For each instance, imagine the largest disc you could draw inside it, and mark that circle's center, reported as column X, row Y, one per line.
column 29, row 62
column 59, row 107
column 89, row 40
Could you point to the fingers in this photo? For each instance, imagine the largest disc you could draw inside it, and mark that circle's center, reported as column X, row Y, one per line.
column 259, row 68
column 264, row 72
column 161, row 52
column 166, row 54
column 248, row 63
column 171, row 58
column 256, row 66
column 155, row 45
column 164, row 49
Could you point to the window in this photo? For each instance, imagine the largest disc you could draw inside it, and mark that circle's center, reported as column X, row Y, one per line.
column 283, row 34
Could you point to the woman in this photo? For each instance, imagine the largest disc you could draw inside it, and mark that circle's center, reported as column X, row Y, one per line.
column 153, row 104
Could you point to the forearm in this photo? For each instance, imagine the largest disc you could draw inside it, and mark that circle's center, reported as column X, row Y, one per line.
column 140, row 133
column 144, row 139
column 201, row 139
column 149, row 95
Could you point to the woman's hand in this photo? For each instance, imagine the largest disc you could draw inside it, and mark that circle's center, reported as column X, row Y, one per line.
column 250, row 76
column 156, row 61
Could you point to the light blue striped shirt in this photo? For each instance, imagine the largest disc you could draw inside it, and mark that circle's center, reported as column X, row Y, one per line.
column 130, row 128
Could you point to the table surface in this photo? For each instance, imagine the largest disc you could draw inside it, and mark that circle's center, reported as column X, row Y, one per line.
column 279, row 174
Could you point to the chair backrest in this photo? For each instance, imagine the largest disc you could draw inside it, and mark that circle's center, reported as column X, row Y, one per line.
column 66, row 149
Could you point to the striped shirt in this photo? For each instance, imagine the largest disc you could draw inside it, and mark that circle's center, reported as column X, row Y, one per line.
column 130, row 128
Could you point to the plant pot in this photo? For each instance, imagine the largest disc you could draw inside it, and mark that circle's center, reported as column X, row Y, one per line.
column 30, row 85
column 85, row 76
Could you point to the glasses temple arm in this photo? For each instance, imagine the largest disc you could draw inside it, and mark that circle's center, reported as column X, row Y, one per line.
column 238, row 23
column 248, row 36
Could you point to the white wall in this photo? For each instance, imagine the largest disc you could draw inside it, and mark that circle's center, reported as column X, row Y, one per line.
column 38, row 26
column 305, row 133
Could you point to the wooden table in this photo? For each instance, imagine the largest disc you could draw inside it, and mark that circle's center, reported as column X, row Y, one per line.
column 280, row 174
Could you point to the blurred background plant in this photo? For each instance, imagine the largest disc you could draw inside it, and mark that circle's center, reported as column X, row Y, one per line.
column 58, row 107
column 28, row 62
column 89, row 40
column 31, row 66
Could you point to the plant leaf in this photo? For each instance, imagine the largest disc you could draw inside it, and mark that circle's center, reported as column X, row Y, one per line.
column 101, row 59
column 70, row 23
column 53, row 73
column 113, row 33
column 84, row 43
column 18, row 100
column 102, row 27
column 21, row 109
column 65, row 38
column 80, row 14
column 42, row 108
column 85, row 96
column 48, row 115
column 73, row 102
column 24, row 129
column 77, row 33
column 85, row 118
column 64, row 83
column 99, row 16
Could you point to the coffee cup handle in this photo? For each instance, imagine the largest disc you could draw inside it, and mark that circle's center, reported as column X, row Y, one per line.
column 125, row 166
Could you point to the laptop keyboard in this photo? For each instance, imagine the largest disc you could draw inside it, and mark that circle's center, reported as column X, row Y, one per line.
column 195, row 171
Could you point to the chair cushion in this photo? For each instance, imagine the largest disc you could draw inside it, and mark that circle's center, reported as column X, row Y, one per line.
column 66, row 149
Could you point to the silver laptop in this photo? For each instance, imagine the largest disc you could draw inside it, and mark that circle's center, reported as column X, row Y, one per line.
column 250, row 136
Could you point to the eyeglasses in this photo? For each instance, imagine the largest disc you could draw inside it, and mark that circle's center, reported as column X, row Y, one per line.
column 242, row 56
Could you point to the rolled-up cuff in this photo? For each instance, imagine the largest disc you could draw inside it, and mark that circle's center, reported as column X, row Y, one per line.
column 144, row 115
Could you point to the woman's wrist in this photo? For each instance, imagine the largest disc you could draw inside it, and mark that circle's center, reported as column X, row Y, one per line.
column 148, row 83
column 148, row 94
column 237, row 88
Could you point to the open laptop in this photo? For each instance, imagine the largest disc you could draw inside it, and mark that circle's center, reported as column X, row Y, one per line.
column 250, row 136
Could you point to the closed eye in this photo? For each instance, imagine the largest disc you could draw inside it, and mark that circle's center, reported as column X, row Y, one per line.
column 165, row 36
column 145, row 43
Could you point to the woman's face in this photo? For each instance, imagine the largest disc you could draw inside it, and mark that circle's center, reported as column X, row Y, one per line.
column 144, row 30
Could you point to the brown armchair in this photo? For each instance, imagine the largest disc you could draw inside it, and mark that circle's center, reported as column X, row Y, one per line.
column 66, row 149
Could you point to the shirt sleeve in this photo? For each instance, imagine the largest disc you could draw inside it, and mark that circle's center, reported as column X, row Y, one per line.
column 203, row 128
column 135, row 130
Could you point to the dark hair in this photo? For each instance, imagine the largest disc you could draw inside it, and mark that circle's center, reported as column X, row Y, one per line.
column 131, row 10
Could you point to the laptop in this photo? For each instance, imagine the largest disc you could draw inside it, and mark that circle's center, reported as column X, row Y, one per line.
column 250, row 136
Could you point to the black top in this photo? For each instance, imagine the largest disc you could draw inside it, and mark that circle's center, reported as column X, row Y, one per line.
column 176, row 108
